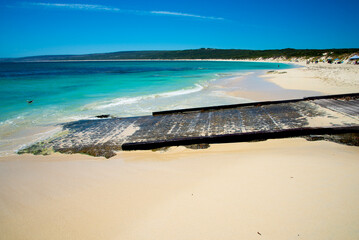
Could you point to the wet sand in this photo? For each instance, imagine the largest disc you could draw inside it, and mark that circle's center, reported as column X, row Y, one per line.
column 255, row 87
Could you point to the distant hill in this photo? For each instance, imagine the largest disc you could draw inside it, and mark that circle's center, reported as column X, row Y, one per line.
column 203, row 53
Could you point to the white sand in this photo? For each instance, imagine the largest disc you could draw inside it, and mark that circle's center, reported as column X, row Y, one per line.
column 324, row 78
column 283, row 189
column 304, row 81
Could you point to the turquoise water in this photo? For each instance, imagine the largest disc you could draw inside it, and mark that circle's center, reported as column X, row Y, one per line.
column 67, row 91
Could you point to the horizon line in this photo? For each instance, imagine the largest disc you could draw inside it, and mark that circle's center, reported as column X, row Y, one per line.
column 189, row 49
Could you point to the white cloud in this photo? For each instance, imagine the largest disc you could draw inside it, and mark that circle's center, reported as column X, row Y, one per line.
column 113, row 9
column 185, row 15
column 78, row 6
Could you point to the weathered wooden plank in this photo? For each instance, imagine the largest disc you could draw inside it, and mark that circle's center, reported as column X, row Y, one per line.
column 330, row 102
column 208, row 125
column 241, row 137
column 251, row 104
column 189, row 122
column 355, row 101
column 339, row 106
column 167, row 127
column 119, row 131
column 286, row 116
column 90, row 131
column 201, row 128
column 349, row 105
column 218, row 122
column 257, row 119
column 143, row 125
column 159, row 129
column 232, row 122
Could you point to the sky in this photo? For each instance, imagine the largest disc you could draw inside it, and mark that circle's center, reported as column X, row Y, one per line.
column 51, row 27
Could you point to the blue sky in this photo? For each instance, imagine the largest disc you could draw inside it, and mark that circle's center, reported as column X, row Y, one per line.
column 41, row 27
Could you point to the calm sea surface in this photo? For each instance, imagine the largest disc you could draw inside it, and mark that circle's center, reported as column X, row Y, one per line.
column 67, row 91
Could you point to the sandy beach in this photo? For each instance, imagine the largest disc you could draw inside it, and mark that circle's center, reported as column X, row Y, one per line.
column 303, row 81
column 322, row 77
column 258, row 87
column 275, row 189
column 179, row 120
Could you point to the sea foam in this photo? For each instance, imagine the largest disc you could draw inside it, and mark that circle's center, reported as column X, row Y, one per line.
column 133, row 100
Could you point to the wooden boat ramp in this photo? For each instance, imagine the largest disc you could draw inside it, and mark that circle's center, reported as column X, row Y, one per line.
column 334, row 114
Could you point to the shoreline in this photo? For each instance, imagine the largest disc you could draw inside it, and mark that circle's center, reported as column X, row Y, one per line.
column 256, row 87
column 167, row 60
column 227, row 191
column 262, row 86
column 214, row 93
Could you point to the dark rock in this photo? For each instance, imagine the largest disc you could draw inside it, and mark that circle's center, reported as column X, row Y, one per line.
column 351, row 139
column 198, row 146
column 104, row 116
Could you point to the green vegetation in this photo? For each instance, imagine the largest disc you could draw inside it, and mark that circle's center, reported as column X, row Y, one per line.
column 203, row 53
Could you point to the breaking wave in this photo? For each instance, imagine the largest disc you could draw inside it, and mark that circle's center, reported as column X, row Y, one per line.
column 133, row 100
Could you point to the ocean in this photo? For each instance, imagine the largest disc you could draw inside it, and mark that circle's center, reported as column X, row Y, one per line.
column 68, row 91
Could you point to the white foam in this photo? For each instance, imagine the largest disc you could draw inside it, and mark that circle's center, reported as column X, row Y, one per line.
column 119, row 101
column 182, row 91
column 133, row 100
